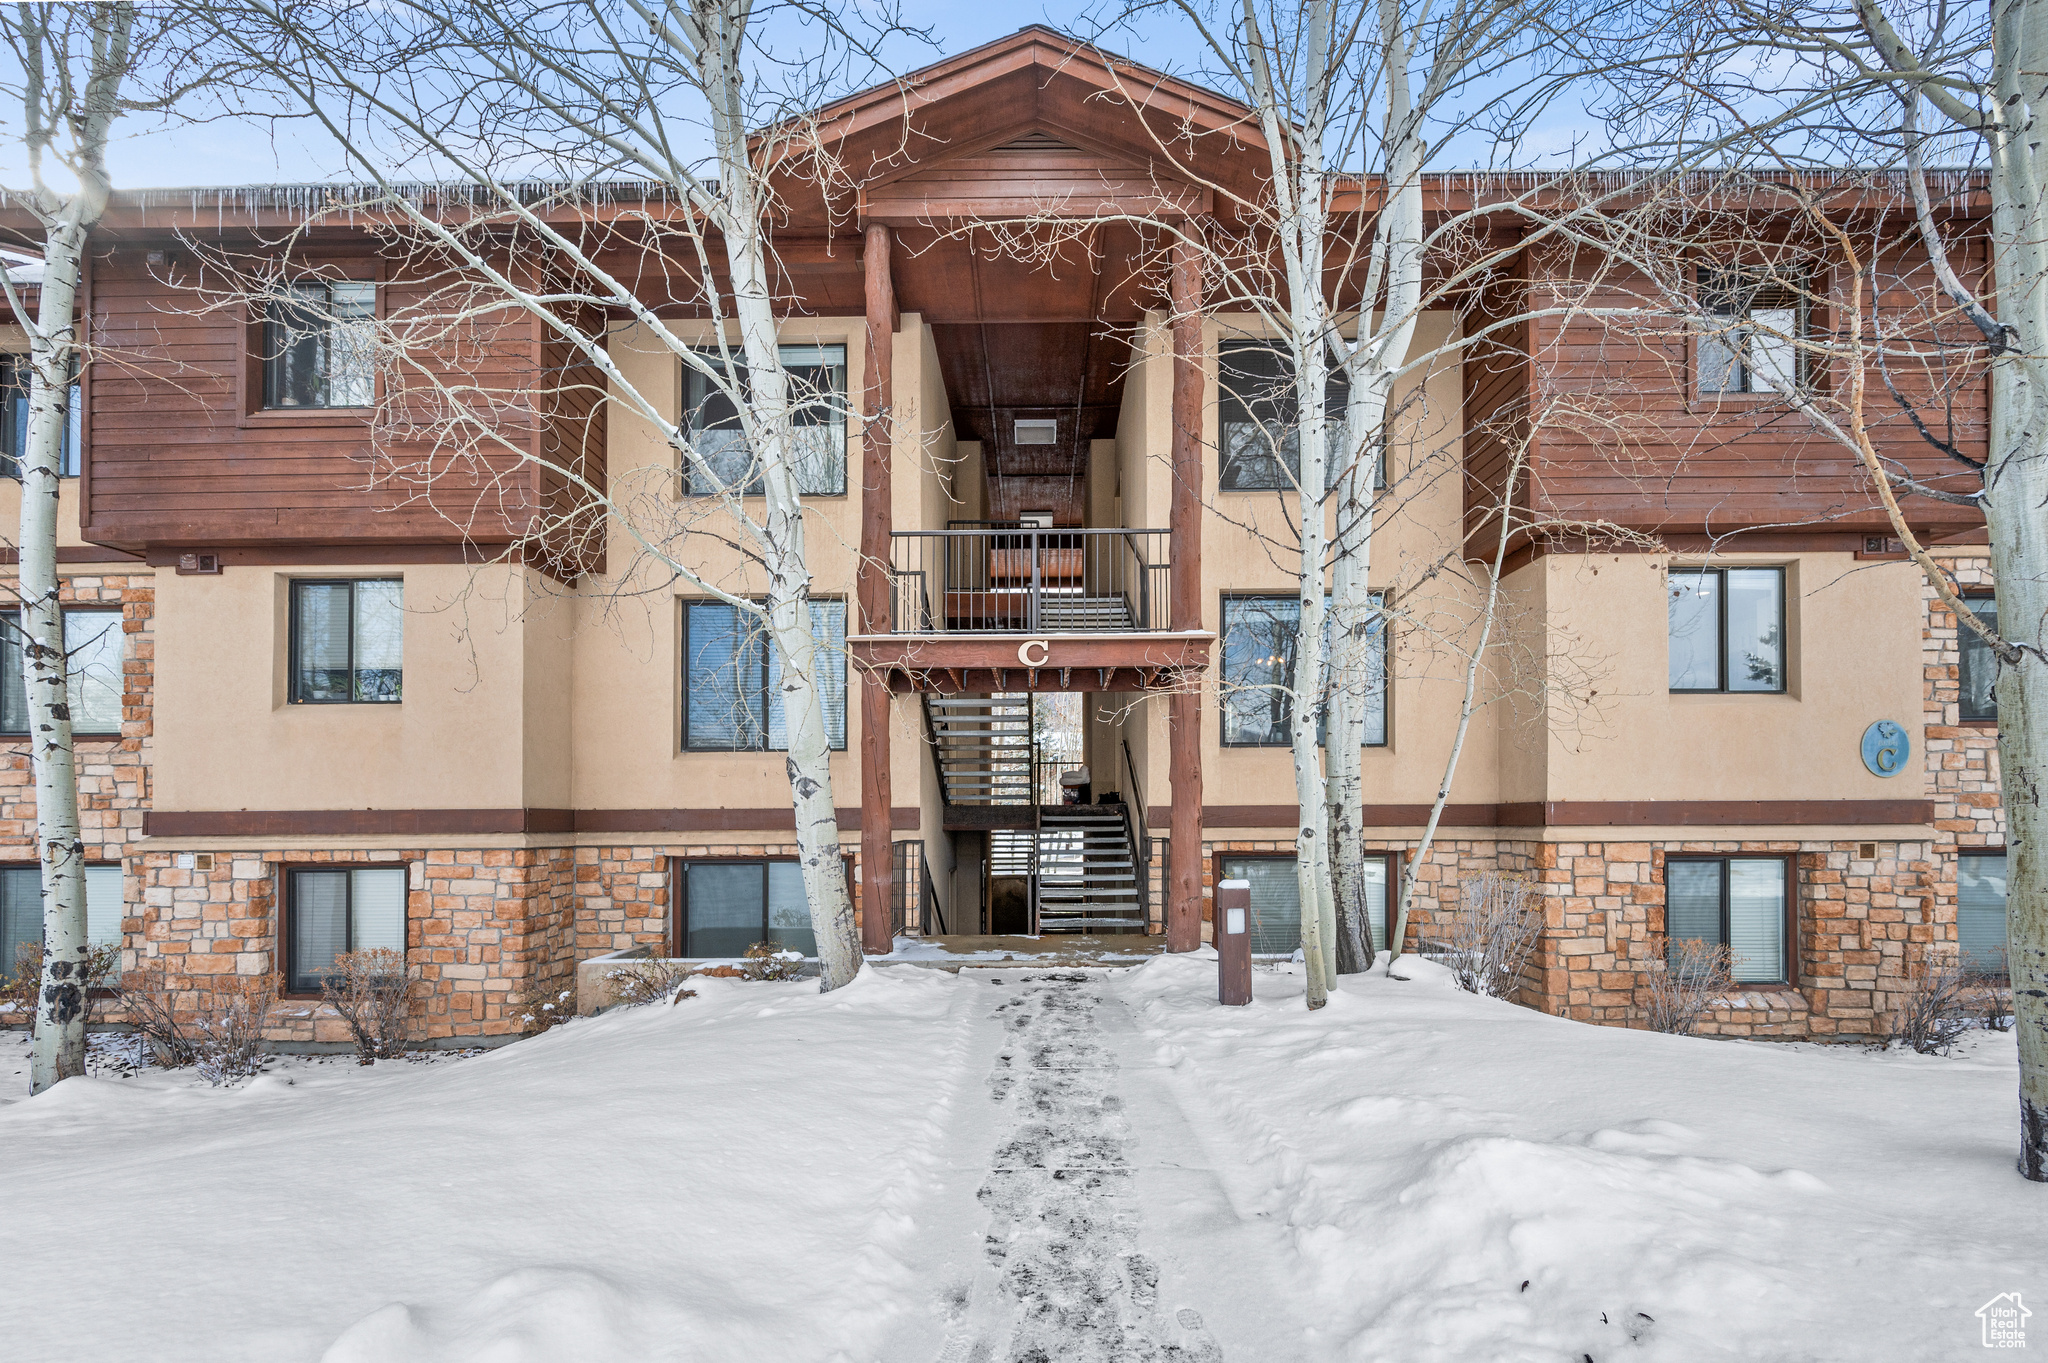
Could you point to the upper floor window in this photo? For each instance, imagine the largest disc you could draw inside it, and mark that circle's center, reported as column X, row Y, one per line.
column 14, row 384
column 93, row 646
column 1258, row 420
column 329, row 911
column 726, row 457
column 1727, row 629
column 348, row 641
column 1737, row 902
column 1977, row 665
column 732, row 678
column 1258, row 671
column 1750, row 341
column 317, row 346
column 1980, row 911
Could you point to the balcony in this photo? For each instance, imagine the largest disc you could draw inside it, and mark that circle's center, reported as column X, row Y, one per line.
column 997, row 606
column 996, row 577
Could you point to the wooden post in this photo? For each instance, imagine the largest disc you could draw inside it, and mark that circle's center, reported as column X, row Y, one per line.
column 1184, row 716
column 872, row 592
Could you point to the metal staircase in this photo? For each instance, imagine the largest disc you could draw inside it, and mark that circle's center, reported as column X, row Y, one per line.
column 982, row 748
column 1087, row 874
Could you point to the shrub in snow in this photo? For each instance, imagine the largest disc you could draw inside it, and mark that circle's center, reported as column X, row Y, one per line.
column 373, row 991
column 227, row 1030
column 1488, row 939
column 546, row 1011
column 763, row 961
column 153, row 1009
column 1939, row 1003
column 1695, row 977
column 650, row 981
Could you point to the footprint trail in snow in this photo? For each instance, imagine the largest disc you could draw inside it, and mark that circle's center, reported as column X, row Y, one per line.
column 1063, row 1276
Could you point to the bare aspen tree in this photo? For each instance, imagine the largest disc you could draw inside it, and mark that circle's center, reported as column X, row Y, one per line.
column 698, row 102
column 1928, row 294
column 78, row 69
column 1354, row 103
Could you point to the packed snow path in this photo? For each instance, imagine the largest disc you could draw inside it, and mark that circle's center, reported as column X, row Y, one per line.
column 1065, row 1275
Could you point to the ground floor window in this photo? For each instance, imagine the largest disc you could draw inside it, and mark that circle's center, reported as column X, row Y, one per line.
column 330, row 910
column 1737, row 902
column 1980, row 910
column 724, row 907
column 21, row 909
column 1276, row 900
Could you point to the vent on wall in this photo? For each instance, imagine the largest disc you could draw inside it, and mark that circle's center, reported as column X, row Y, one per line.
column 1037, row 141
column 198, row 563
column 1866, row 851
column 1037, row 431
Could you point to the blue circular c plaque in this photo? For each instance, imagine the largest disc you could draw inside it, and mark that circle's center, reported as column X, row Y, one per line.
column 1886, row 746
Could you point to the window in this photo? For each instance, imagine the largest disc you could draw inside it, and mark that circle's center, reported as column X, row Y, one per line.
column 1258, row 420
column 332, row 910
column 14, row 383
column 817, row 393
column 317, row 346
column 348, row 642
column 1276, row 900
column 732, row 672
column 1978, row 665
column 724, row 907
column 21, row 909
column 1737, row 902
column 1258, row 671
column 1980, row 910
column 1754, row 322
column 1727, row 629
column 93, row 642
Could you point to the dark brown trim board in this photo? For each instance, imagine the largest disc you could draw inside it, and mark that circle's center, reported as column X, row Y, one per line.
column 1588, row 814
column 321, row 823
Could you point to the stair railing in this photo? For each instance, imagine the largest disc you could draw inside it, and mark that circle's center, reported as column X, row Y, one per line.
column 1140, row 835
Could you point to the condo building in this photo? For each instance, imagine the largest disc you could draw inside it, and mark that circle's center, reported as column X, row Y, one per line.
column 328, row 695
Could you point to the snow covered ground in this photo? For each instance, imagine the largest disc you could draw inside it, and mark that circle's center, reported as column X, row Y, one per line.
column 1025, row 1164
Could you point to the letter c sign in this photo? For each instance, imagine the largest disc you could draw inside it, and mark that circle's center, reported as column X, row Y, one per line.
column 1886, row 746
column 1024, row 652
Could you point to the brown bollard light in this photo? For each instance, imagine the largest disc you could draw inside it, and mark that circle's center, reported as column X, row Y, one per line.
column 1233, row 936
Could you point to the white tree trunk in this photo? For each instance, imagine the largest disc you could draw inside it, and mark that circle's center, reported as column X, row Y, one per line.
column 782, row 529
column 59, row 1047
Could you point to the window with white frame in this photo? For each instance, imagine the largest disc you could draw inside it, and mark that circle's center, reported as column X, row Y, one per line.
column 726, row 457
column 318, row 345
column 1739, row 903
column 94, row 642
column 1727, row 629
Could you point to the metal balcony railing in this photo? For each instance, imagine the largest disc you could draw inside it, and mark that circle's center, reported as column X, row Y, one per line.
column 1009, row 579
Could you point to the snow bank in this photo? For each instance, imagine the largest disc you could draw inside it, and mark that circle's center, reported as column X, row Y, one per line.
column 1464, row 1179
column 731, row 1178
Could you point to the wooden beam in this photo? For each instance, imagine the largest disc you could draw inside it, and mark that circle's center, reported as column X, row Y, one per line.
column 1184, row 713
column 1185, row 511
column 872, row 589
